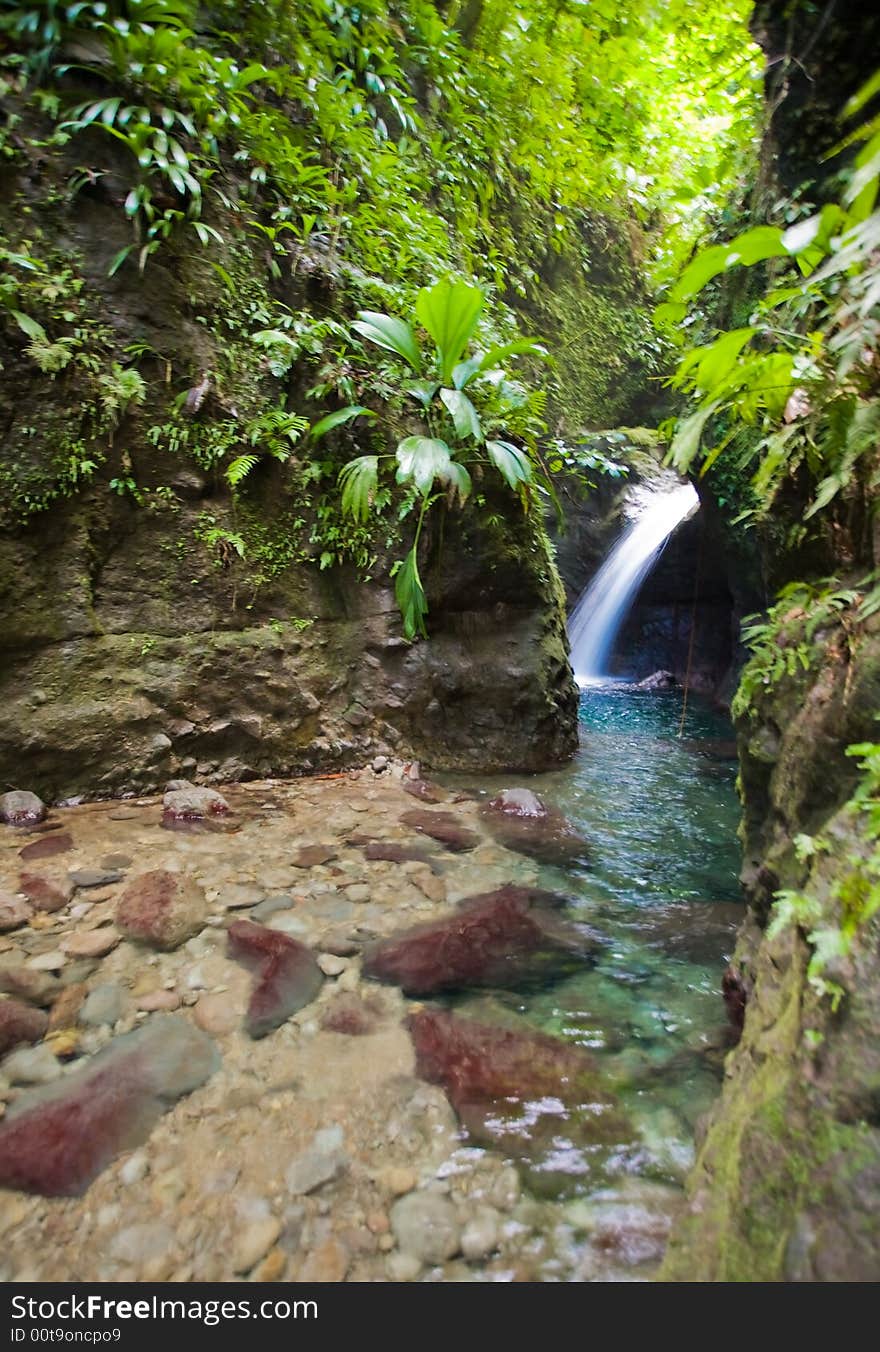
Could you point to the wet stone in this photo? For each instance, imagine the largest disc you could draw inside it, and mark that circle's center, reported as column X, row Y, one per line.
column 519, row 1090
column 443, row 827
column 21, row 808
column 161, row 909
column 508, row 937
column 311, row 856
column 94, row 877
column 104, row 1005
column 27, row 1066
column 287, row 977
column 426, row 1226
column 351, row 1014
column 188, row 805
column 55, row 1140
column 45, row 894
column 520, row 821
column 47, row 846
column 324, row 1160
column 20, row 1023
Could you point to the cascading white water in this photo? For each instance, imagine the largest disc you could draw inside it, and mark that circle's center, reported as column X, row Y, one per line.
column 603, row 605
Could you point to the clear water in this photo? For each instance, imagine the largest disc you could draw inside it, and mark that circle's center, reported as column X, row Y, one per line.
column 661, row 814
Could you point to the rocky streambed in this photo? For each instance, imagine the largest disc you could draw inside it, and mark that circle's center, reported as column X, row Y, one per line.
column 266, row 1037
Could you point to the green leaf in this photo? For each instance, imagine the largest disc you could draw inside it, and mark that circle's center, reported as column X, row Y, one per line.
column 464, row 415
column 458, row 482
column 240, row 468
column 863, row 95
column 29, row 326
column 421, row 460
column 358, row 480
column 686, row 442
column 449, row 310
column 411, row 597
column 512, row 463
column 754, row 246
column 464, row 373
column 340, row 416
column 719, row 358
column 423, row 390
column 393, row 334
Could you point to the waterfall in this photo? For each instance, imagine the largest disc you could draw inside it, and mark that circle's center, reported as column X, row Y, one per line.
column 603, row 605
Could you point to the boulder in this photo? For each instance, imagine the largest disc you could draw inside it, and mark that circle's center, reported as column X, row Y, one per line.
column 20, row 808
column 658, row 680
column 287, row 975
column 161, row 909
column 536, row 1097
column 513, row 936
column 55, row 1140
column 520, row 821
column 185, row 804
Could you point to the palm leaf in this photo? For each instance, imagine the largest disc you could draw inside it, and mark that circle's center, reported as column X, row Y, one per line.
column 393, row 334
column 358, row 480
column 449, row 311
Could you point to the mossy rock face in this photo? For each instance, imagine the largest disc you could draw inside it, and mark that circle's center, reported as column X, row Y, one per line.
column 787, row 1182
column 134, row 655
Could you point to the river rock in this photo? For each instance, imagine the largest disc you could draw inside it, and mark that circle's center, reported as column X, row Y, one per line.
column 45, row 894
column 328, row 1262
column 37, row 988
column 217, row 1014
column 481, row 1234
column 311, row 856
column 47, row 846
column 520, row 821
column 31, row 1065
column 508, row 937
column 20, row 1023
column 443, row 827
column 104, row 1005
column 518, row 1089
column 254, row 1241
column 191, row 804
column 324, row 1160
column 94, row 877
column 14, row 912
column 390, row 851
column 55, row 1140
column 426, row 1226
column 20, row 808
column 287, row 975
column 94, row 943
column 161, row 909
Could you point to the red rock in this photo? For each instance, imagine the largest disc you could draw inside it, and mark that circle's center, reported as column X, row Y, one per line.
column 508, row 937
column 532, row 1095
column 389, row 850
column 45, row 894
column 310, row 856
column 349, row 1013
column 287, row 974
column 55, row 1140
column 162, row 909
column 442, row 826
column 20, row 1023
column 47, row 846
column 520, row 821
